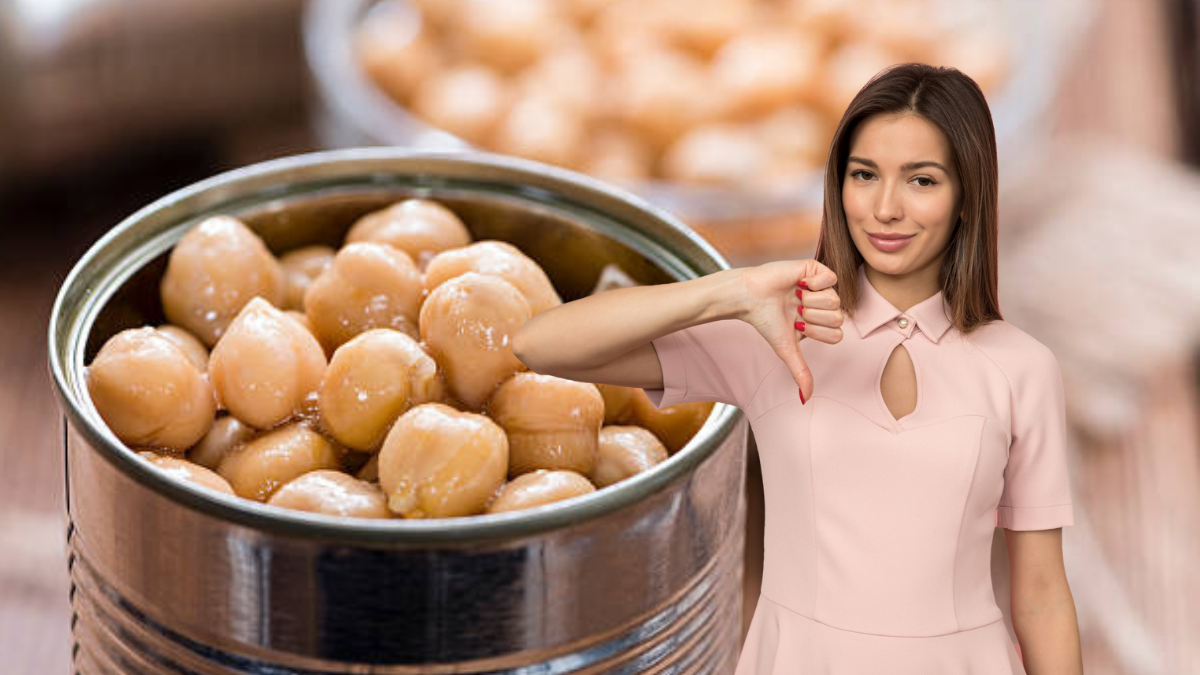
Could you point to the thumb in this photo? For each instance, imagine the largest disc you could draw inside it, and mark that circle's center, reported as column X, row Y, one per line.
column 800, row 373
column 814, row 276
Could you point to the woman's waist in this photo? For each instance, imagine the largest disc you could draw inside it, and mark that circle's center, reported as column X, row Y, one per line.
column 884, row 617
column 886, row 596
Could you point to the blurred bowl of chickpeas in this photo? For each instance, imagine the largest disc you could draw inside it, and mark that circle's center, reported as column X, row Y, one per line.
column 297, row 437
column 720, row 111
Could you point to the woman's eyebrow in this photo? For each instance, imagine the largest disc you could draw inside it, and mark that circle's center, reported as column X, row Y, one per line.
column 903, row 167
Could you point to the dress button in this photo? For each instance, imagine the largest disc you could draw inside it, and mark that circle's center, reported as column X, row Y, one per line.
column 903, row 322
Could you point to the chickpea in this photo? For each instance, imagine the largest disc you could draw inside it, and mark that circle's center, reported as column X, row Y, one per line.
column 617, row 156
column 612, row 276
column 847, row 69
column 618, row 403
column 419, row 227
column 584, row 11
column 795, row 133
column 467, row 323
column 332, row 493
column 300, row 267
column 551, row 422
column 664, row 93
column 257, row 468
column 439, row 462
column 302, row 319
column 778, row 179
column 538, row 488
column 181, row 469
column 762, row 69
column 213, row 272
column 623, row 30
column 149, row 393
column 457, row 403
column 570, row 77
column 265, row 365
column 832, row 18
column 541, row 128
column 705, row 25
column 368, row 286
column 397, row 48
column 718, row 154
column 370, row 381
column 467, row 101
column 501, row 259
column 510, row 34
column 626, row 451
column 227, row 433
column 370, row 471
column 904, row 27
column 189, row 344
column 674, row 425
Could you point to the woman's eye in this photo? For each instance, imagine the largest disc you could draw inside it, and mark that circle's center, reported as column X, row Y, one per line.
column 866, row 175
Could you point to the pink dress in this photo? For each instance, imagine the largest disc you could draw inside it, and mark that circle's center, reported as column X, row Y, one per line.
column 878, row 530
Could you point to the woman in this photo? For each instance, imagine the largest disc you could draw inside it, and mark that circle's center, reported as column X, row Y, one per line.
column 916, row 429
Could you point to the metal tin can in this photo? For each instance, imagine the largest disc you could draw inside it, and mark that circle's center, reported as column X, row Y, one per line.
column 644, row 576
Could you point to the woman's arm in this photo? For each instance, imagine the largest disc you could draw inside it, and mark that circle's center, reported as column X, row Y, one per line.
column 606, row 338
column 1043, row 610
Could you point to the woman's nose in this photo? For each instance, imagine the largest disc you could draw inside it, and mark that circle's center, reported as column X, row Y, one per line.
column 888, row 207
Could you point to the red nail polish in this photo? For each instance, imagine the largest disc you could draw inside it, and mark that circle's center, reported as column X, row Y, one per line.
column 802, row 284
column 798, row 296
column 800, row 309
column 801, row 397
column 799, row 326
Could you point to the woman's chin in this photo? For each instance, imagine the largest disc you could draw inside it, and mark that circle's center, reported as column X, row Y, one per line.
column 894, row 264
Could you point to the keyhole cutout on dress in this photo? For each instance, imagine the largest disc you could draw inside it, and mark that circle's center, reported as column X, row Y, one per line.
column 899, row 383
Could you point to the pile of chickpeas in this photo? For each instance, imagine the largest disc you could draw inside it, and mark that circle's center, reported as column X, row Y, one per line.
column 733, row 93
column 373, row 381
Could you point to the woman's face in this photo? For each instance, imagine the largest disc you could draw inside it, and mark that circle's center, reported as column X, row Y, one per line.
column 900, row 180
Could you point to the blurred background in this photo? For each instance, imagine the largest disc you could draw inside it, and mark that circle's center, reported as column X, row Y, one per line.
column 719, row 110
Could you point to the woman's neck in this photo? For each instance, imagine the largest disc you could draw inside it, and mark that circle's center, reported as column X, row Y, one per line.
column 908, row 289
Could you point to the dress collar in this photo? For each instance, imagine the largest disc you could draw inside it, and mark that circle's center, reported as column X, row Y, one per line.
column 931, row 315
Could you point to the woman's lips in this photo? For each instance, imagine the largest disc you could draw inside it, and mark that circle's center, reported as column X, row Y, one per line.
column 889, row 245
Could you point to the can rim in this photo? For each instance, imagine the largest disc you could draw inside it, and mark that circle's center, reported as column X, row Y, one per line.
column 67, row 330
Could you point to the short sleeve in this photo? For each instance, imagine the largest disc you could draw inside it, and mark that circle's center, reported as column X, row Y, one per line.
column 1037, row 489
column 725, row 361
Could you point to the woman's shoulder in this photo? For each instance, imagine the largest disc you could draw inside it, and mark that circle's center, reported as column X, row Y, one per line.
column 1015, row 352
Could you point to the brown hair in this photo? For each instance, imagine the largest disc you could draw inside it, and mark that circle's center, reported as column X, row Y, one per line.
column 954, row 103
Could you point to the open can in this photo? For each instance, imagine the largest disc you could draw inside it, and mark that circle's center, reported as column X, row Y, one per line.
column 641, row 577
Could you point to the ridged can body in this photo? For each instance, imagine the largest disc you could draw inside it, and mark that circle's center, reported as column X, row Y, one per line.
column 642, row 577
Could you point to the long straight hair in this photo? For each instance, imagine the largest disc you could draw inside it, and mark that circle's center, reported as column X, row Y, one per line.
column 954, row 103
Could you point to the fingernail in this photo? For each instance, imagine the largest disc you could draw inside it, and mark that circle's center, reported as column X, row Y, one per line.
column 799, row 326
column 800, row 310
column 802, row 284
column 801, row 397
column 798, row 296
